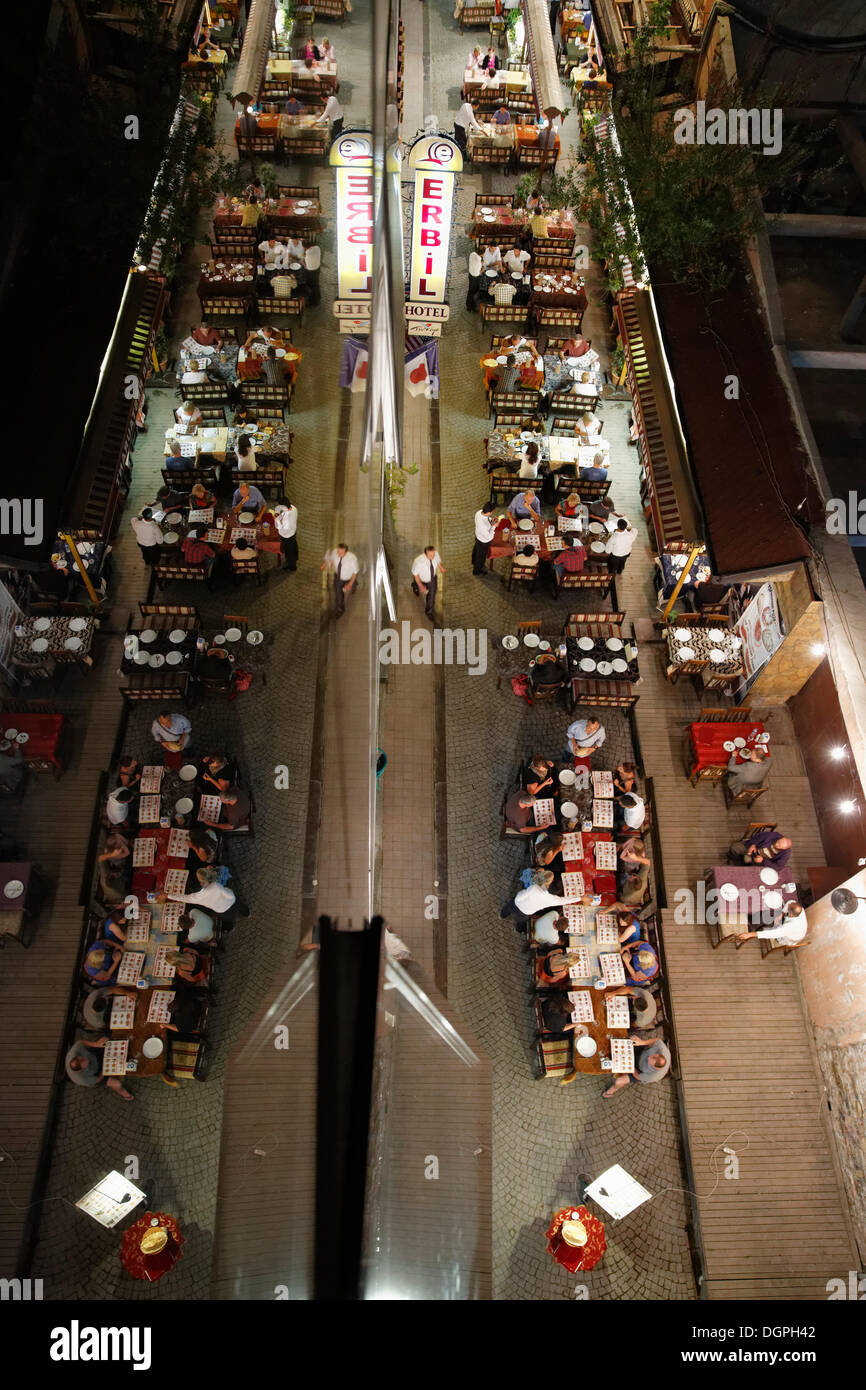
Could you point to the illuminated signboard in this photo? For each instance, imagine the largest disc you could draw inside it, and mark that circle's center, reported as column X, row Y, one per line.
column 435, row 161
column 352, row 154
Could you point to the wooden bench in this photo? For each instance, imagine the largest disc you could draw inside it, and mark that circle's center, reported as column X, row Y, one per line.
column 225, row 306
column 504, row 485
column 248, row 237
column 279, row 306
column 260, row 393
column 232, row 246
column 167, row 571
column 533, row 156
column 515, row 402
column 330, row 9
column 295, row 190
column 263, row 143
column 489, row 154
column 588, row 578
column 204, row 392
column 567, row 407
column 271, row 482
column 608, row 694
column 552, row 260
column 494, row 200
column 188, row 477
column 517, row 314
column 474, row 15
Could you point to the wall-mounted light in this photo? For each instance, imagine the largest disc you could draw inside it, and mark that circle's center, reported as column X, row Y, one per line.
column 848, row 806
column 818, row 649
column 838, row 752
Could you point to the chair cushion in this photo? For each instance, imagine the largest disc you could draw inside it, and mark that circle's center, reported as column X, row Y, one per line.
column 555, row 1056
column 182, row 1057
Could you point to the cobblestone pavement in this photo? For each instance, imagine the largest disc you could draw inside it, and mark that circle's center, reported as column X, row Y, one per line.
column 545, row 1135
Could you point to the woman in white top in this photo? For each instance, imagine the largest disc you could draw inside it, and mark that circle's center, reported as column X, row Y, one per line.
column 474, row 60
column 193, row 374
column 188, row 417
column 328, row 52
column 588, row 427
column 530, row 464
column 246, row 454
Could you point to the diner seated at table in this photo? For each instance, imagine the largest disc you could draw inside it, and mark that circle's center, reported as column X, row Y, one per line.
column 245, row 454
column 200, row 499
column 113, row 864
column 571, row 558
column 519, row 813
column 274, row 253
column 195, row 551
column 195, row 926
column 588, row 427
column 763, row 847
column 212, row 895
column 118, row 806
column 235, row 809
column 548, row 929
column 101, row 961
column 546, row 671
column 552, row 969
column 251, row 211
column 114, row 925
column 785, row 926
column 516, row 260
column 169, row 499
column 571, row 506
column 248, row 498
column 651, row 1064
column 531, row 462
column 187, row 1012
column 129, row 772
column 753, row 772
column 644, row 1007
column 272, row 337
column 188, row 417
column 585, row 737
column 548, row 851
column 193, row 375
column 594, row 472
column 624, row 779
column 491, row 258
column 203, row 846
column 13, row 767
column 630, row 810
column 216, row 767
column 502, row 116
column 639, row 960
column 293, row 107
column 556, row 1011
column 490, row 61
column 175, row 460
column 192, row 967
column 206, row 335
column 536, row 202
column 525, row 506
column 538, row 774
column 83, row 1066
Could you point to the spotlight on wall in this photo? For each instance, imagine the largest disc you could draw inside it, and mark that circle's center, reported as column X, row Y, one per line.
column 818, row 649
column 847, row 806
column 837, row 753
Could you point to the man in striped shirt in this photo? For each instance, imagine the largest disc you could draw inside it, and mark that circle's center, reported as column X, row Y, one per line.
column 509, row 375
column 195, row 551
column 570, row 559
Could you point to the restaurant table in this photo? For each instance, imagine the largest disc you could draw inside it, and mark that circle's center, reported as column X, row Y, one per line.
column 673, row 566
column 499, row 137
column 204, row 440
column 325, row 71
column 220, row 363
column 150, row 1267
column 601, row 652
column 558, row 226
column 507, row 537
column 305, row 128
column 529, row 136
column 571, row 22
column 251, row 359
column 558, row 290
column 12, row 909
column 287, row 214
column 734, row 916
column 237, row 278
column 600, row 881
column 152, row 879
column 58, row 633
column 46, row 732
column 474, row 83
column 561, row 449
column 139, row 1033
column 221, row 535
column 93, row 555
column 504, row 219
column 161, row 646
column 707, row 742
column 701, row 644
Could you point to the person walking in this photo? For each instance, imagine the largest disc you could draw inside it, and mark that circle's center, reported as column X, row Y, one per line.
column 619, row 546
column 148, row 535
column 286, row 521
column 485, row 529
column 426, row 569
column 345, row 568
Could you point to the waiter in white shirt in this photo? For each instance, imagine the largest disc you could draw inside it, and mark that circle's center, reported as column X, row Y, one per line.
column 312, row 266
column 475, row 273
column 148, row 535
column 619, row 545
column 345, row 569
column 486, row 521
column 334, row 113
column 286, row 519
column 464, row 121
column 426, row 569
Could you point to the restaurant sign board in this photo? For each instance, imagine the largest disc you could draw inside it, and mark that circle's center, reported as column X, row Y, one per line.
column 760, row 629
column 352, row 156
column 436, row 161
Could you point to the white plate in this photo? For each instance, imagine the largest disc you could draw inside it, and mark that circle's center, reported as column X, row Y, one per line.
column 175, row 519
column 141, row 658
column 596, row 528
column 587, row 664
column 604, row 668
column 73, row 644
column 183, row 806
column 773, row 899
column 22, row 738
column 619, row 665
column 152, row 1047
column 501, row 361
column 255, row 637
column 39, row 644
column 728, row 745
column 715, row 634
column 717, row 655
column 739, row 743
column 597, row 547
column 188, row 772
column 568, row 810
column 762, row 738
column 769, row 876
column 730, row 892
column 11, row 733
column 174, row 658
column 147, row 636
column 531, row 639
column 586, row 1046
column 245, row 518
column 233, row 634
column 177, row 635
column 509, row 643
column 157, row 660
column 567, row 777
column 586, row 644
column 525, row 524
column 170, row 537
column 544, row 646
column 685, row 654
column 736, row 643
column 613, row 644
column 14, row 888
column 42, row 625
column 77, row 624
column 281, row 352
column 682, row 634
column 220, row 640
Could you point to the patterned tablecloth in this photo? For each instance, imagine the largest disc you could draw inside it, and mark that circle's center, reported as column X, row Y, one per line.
column 57, row 634
column 227, row 277
column 751, row 894
column 558, row 290
column 502, row 137
column 702, row 645
column 600, row 652
column 151, row 1267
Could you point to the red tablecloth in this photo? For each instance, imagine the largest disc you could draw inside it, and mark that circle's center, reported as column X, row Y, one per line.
column 576, row 1257
column 708, row 740
column 151, row 878
column 600, row 881
column 44, row 731
column 150, row 1267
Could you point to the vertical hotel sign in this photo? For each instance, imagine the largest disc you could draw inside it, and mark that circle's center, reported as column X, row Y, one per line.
column 436, row 161
column 352, row 154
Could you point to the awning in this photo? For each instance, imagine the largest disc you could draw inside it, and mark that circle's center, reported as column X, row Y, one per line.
column 250, row 72
column 91, row 505
column 542, row 58
column 667, row 486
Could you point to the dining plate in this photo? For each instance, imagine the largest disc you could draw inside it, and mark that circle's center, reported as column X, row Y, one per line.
column 170, row 537
column 587, row 1046
column 525, row 524
column 177, row 635
column 544, row 646
column 152, row 1047
column 492, row 274
column 11, row 733
column 141, row 658
column 501, row 361
column 736, row 643
column 685, row 654
column 531, row 639
column 255, row 637
column 22, row 737
column 728, row 745
column 73, row 644
column 245, row 518
column 568, row 777
column 716, row 635
column 739, row 743
column 174, row 519
column 614, row 644
column 509, row 643
column 39, row 644
column 174, row 658
column 587, row 664
column 730, row 892
column 586, row 644
column 220, row 639
column 293, row 265
column 77, row 624
column 619, row 665
column 682, row 634
column 281, row 352
column 147, row 636
column 605, row 668
column 597, row 547
column 233, row 634
column 769, row 876
column 14, row 888
column 717, row 655
column 188, row 772
column 596, row 528
column 516, row 275
column 773, row 899
column 157, row 660
column 42, row 625
column 183, row 806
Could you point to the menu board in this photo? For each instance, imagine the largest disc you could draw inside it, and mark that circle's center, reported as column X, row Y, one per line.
column 209, row 809
column 138, row 929
column 602, row 783
column 178, row 844
column 576, row 919
column 143, row 852
column 158, row 1010
column 151, row 779
column 622, row 1055
column 572, row 887
column 130, row 967
column 581, row 967
column 114, row 1057
column 112, row 1198
column 122, row 1012
column 612, row 968
column 572, row 845
column 583, row 1011
column 543, row 811
column 602, row 813
column 606, row 930
column 162, row 970
column 605, row 854
column 175, row 881
column 148, row 811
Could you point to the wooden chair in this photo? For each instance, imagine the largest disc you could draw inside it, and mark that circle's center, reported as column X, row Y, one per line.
column 754, row 826
column 740, row 714
column 522, row 574
column 746, row 797
column 291, row 190
column 777, row 948
column 494, row 200
column 247, row 568
column 236, row 620
column 188, row 1060
column 529, row 625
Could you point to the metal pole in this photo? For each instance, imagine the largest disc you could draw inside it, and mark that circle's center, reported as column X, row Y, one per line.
column 82, row 569
column 693, row 554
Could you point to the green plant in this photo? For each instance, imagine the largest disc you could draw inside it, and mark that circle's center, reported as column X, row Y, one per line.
column 395, row 478
column 268, row 176
column 618, row 361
